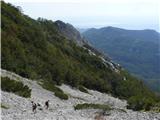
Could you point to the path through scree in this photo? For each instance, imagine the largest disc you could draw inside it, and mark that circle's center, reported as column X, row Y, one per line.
column 20, row 108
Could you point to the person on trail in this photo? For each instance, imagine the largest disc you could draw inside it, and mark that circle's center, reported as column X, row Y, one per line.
column 34, row 106
column 47, row 104
column 39, row 106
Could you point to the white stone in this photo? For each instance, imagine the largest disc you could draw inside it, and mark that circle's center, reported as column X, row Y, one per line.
column 20, row 108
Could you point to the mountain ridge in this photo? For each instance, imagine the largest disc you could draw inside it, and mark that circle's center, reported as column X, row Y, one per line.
column 114, row 27
column 136, row 50
column 36, row 49
column 69, row 32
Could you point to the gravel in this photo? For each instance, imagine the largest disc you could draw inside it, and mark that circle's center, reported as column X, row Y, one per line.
column 20, row 108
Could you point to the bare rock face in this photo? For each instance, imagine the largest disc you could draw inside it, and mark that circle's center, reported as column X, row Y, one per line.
column 19, row 108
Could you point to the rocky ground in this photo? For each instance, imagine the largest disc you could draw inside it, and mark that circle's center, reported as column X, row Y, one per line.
column 20, row 108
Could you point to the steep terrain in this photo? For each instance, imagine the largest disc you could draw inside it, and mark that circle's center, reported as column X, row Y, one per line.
column 136, row 50
column 69, row 32
column 47, row 52
column 19, row 108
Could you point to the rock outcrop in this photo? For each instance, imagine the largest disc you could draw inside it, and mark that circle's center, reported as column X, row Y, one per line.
column 69, row 32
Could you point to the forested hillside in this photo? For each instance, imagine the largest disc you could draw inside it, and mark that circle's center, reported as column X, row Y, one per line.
column 135, row 50
column 36, row 49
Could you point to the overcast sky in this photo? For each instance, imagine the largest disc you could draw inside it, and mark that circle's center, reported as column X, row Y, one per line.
column 129, row 14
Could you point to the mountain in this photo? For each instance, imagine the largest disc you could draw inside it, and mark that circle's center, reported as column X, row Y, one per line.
column 49, row 53
column 81, row 30
column 136, row 50
column 69, row 31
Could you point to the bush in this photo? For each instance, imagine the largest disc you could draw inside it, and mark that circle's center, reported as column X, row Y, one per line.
column 83, row 89
column 16, row 87
column 4, row 106
column 140, row 103
column 61, row 95
column 51, row 87
column 156, row 107
column 91, row 106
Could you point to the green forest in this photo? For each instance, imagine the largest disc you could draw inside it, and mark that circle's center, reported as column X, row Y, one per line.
column 35, row 49
column 135, row 50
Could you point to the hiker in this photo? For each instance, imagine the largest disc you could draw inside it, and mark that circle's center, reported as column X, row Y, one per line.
column 39, row 106
column 47, row 104
column 34, row 106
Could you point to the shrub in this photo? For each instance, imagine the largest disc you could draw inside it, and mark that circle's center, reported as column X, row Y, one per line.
column 91, row 106
column 51, row 87
column 4, row 106
column 16, row 87
column 83, row 89
column 156, row 107
column 61, row 95
column 140, row 103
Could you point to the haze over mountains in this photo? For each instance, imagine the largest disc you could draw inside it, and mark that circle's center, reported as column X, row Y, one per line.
column 136, row 50
column 49, row 60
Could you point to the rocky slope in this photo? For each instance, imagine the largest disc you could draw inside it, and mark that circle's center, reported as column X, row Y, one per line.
column 42, row 50
column 19, row 108
column 69, row 32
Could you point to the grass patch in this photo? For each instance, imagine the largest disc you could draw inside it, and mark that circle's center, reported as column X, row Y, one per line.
column 16, row 87
column 92, row 106
column 83, row 89
column 51, row 87
column 4, row 106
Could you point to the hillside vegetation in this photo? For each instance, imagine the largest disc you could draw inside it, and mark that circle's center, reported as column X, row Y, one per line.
column 16, row 87
column 136, row 50
column 36, row 49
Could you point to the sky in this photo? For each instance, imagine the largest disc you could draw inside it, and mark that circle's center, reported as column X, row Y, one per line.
column 128, row 14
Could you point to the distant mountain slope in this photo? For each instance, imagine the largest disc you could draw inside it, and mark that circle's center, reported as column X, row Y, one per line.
column 40, row 50
column 136, row 50
column 81, row 30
